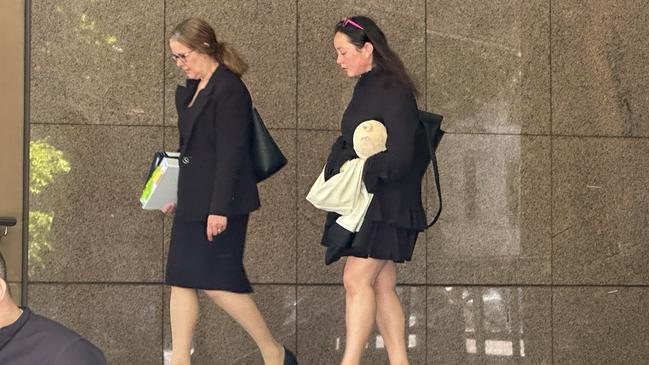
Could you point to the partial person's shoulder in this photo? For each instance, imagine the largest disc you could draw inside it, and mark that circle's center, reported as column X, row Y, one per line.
column 48, row 327
column 65, row 345
column 80, row 351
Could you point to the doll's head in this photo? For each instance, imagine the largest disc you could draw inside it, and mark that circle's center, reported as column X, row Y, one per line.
column 369, row 138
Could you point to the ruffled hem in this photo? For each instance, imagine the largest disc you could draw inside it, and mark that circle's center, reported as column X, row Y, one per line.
column 377, row 240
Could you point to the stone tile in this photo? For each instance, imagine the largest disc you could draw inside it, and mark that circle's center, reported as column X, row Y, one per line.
column 600, row 210
column 313, row 148
column 495, row 226
column 96, row 62
column 168, row 223
column 321, row 326
column 263, row 32
column 414, row 272
column 170, row 144
column 488, row 68
column 483, row 325
column 86, row 221
column 600, row 325
column 600, row 75
column 171, row 140
column 323, row 90
column 122, row 320
column 271, row 255
column 218, row 339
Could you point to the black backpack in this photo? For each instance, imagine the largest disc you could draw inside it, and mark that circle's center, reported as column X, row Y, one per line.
column 432, row 125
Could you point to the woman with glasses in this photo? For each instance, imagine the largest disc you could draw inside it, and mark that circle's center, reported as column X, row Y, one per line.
column 216, row 192
column 384, row 92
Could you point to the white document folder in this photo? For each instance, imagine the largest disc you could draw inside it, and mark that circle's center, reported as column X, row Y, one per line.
column 162, row 186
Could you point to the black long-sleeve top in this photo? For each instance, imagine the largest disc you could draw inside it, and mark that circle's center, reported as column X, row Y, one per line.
column 393, row 176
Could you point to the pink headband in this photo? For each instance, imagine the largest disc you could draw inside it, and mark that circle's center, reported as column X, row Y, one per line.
column 349, row 21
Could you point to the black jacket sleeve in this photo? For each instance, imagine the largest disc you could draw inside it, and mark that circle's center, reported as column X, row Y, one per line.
column 401, row 121
column 180, row 141
column 341, row 152
column 232, row 129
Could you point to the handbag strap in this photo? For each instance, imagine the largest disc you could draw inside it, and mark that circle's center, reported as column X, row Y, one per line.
column 435, row 173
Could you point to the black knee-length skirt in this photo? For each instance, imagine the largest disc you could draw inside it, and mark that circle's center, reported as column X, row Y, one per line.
column 195, row 262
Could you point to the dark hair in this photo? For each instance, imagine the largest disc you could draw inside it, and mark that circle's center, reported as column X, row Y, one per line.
column 198, row 35
column 383, row 56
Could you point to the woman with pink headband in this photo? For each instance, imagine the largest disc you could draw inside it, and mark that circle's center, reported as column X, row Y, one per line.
column 384, row 92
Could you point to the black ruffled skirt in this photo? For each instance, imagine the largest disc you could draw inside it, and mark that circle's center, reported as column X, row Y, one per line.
column 374, row 239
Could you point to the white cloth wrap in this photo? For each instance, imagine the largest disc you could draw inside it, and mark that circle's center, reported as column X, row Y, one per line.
column 344, row 193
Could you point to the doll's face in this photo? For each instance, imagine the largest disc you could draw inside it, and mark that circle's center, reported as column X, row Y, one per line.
column 369, row 138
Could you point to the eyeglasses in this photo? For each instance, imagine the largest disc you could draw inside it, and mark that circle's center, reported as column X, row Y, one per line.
column 347, row 21
column 181, row 56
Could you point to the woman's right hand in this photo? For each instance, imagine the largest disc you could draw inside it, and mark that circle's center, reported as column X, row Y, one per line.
column 169, row 208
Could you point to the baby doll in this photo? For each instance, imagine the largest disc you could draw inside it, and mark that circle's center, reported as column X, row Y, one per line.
column 345, row 193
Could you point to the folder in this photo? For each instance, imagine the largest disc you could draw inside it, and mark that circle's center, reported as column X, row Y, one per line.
column 161, row 186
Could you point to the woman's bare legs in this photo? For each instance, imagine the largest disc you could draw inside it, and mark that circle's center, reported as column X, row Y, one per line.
column 389, row 315
column 184, row 315
column 183, row 310
column 243, row 309
column 359, row 277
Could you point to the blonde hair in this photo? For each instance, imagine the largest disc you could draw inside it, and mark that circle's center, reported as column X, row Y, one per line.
column 198, row 35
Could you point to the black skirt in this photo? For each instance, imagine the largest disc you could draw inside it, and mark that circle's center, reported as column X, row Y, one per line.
column 375, row 239
column 195, row 262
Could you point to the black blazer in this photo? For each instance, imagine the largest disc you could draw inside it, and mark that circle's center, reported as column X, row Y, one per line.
column 216, row 174
column 395, row 175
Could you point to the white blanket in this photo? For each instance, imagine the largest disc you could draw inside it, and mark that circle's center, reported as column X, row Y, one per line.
column 344, row 193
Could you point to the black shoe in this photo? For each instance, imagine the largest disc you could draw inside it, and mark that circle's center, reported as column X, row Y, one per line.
column 289, row 358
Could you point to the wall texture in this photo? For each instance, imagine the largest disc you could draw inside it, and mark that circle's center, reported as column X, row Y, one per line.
column 540, row 256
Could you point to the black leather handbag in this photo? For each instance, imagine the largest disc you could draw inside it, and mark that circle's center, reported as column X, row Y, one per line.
column 267, row 158
column 432, row 124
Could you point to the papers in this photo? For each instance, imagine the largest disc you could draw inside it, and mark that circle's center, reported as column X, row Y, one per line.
column 161, row 187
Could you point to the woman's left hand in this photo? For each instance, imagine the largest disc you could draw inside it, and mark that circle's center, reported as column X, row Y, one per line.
column 216, row 224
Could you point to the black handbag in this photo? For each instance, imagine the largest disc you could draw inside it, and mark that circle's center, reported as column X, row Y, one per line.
column 267, row 158
column 432, row 124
